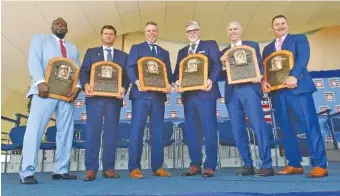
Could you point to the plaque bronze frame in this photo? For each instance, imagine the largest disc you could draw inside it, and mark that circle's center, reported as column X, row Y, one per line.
column 56, row 73
column 183, row 71
column 97, row 72
column 248, row 56
column 281, row 72
column 153, row 71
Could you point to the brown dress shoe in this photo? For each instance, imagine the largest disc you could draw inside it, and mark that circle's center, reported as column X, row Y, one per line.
column 90, row 175
column 208, row 173
column 264, row 172
column 193, row 170
column 162, row 173
column 110, row 173
column 288, row 170
column 136, row 174
column 318, row 172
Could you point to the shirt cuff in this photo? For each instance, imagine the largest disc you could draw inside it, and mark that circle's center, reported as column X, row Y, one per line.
column 38, row 82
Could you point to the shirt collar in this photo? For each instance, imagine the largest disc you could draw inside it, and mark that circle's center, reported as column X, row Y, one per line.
column 283, row 38
column 196, row 42
column 105, row 47
column 152, row 43
column 239, row 43
column 57, row 38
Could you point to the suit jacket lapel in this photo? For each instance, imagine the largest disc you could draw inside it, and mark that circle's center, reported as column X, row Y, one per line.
column 146, row 49
column 56, row 45
column 199, row 47
column 286, row 42
column 100, row 53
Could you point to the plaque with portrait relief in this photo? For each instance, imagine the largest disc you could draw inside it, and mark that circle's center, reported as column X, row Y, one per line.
column 106, row 79
column 152, row 74
column 61, row 76
column 277, row 68
column 193, row 72
column 241, row 64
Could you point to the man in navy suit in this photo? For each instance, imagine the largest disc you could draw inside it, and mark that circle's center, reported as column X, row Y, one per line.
column 99, row 107
column 200, row 105
column 246, row 97
column 297, row 97
column 42, row 49
column 147, row 103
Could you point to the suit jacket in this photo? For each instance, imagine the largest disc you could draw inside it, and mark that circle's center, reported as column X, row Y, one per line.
column 143, row 50
column 257, row 87
column 210, row 49
column 43, row 48
column 94, row 55
column 298, row 44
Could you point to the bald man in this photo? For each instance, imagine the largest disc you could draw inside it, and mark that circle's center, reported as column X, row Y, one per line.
column 246, row 97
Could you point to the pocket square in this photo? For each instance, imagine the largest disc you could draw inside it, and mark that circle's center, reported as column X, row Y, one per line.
column 201, row 52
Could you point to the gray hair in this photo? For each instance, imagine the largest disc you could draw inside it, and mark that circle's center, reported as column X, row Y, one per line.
column 193, row 23
column 234, row 22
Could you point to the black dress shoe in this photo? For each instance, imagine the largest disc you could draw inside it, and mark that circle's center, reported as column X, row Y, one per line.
column 29, row 180
column 65, row 176
column 265, row 172
column 247, row 171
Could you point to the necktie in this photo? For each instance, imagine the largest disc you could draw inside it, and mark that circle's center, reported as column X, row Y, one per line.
column 109, row 55
column 153, row 50
column 63, row 49
column 192, row 49
column 279, row 44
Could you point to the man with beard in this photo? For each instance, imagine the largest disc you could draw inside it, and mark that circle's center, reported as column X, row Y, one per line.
column 147, row 103
column 200, row 105
column 297, row 98
column 42, row 49
column 246, row 97
column 101, row 109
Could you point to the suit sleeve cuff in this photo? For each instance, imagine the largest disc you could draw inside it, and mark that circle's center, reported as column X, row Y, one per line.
column 38, row 82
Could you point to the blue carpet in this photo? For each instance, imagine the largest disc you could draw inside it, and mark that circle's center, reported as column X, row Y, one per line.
column 225, row 183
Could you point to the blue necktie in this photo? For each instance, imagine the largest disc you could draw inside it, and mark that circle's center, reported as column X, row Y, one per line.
column 153, row 50
column 109, row 55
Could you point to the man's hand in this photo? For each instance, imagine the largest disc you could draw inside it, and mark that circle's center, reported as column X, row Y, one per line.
column 209, row 85
column 177, row 87
column 265, row 86
column 121, row 93
column 257, row 80
column 43, row 90
column 139, row 87
column 167, row 89
column 224, row 58
column 290, row 82
column 74, row 94
column 88, row 90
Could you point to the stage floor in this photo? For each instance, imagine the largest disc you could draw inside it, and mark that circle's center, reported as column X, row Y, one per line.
column 224, row 183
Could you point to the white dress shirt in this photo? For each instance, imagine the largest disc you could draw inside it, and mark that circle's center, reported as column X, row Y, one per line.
column 197, row 42
column 277, row 40
column 105, row 52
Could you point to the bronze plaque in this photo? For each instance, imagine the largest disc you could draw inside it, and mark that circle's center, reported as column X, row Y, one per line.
column 241, row 65
column 277, row 67
column 61, row 76
column 152, row 74
column 106, row 79
column 193, row 72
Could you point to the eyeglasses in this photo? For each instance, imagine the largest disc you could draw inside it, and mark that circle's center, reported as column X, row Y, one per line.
column 192, row 31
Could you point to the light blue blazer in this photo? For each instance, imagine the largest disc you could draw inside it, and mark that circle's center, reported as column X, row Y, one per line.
column 42, row 49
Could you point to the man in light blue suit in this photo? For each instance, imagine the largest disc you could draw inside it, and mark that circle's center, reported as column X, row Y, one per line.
column 298, row 98
column 200, row 105
column 101, row 109
column 246, row 97
column 42, row 49
column 147, row 103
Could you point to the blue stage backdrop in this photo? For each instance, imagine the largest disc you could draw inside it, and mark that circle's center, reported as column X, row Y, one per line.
column 327, row 97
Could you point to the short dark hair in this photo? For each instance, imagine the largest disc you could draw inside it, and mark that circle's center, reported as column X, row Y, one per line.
column 151, row 23
column 59, row 18
column 108, row 27
column 279, row 16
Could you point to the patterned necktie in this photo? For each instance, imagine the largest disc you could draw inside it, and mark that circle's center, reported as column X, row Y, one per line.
column 63, row 49
column 153, row 50
column 109, row 55
column 279, row 44
column 192, row 49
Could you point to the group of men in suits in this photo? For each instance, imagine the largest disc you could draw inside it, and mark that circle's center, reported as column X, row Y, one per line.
column 199, row 105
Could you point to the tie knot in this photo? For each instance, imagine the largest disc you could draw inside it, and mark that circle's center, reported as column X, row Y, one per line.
column 108, row 49
column 61, row 41
column 279, row 40
column 193, row 46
